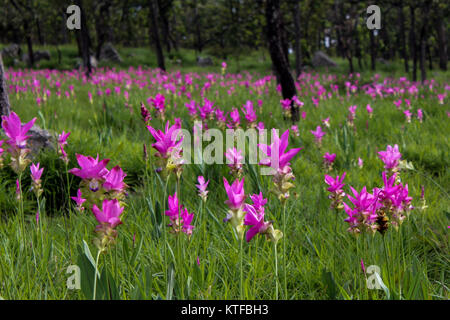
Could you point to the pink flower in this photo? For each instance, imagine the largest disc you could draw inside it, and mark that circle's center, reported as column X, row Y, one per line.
column 234, row 115
column 294, row 129
column 286, row 104
column 62, row 138
column 159, row 102
column 420, row 115
column 110, row 213
column 336, row 184
column 369, row 110
column 249, row 112
column 114, row 180
column 255, row 217
column 201, row 186
column 235, row 192
column 329, row 158
column 145, row 114
column 166, row 141
column 78, row 199
column 390, row 157
column 363, row 215
column 303, row 114
column 278, row 158
column 90, row 168
column 318, row 134
column 408, row 115
column 36, row 173
column 326, row 122
column 179, row 216
column 234, row 158
column 14, row 130
column 360, row 163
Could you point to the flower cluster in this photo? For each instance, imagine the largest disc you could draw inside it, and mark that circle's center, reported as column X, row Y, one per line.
column 235, row 202
column 17, row 134
column 254, row 217
column 168, row 146
column 376, row 211
column 180, row 218
column 101, row 186
column 278, row 159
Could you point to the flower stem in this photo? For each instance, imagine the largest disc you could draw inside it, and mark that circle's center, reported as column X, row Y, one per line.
column 284, row 252
column 95, row 275
column 276, row 271
column 242, row 273
column 22, row 221
column 387, row 260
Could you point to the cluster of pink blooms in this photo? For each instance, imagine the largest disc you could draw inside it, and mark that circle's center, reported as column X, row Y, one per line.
column 180, row 218
column 329, row 160
column 101, row 186
column 318, row 135
column 168, row 147
column 241, row 214
column 376, row 211
column 17, row 141
column 278, row 160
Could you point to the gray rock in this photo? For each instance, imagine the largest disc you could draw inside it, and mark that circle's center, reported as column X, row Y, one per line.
column 204, row 61
column 38, row 56
column 108, row 52
column 79, row 63
column 40, row 139
column 321, row 59
column 94, row 62
column 382, row 61
column 12, row 51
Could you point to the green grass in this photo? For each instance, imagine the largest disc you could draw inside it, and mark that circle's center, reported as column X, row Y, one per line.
column 142, row 269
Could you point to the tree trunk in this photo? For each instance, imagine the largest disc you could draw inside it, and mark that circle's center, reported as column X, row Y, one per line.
column 163, row 11
column 442, row 44
column 101, row 27
column 277, row 54
column 39, row 32
column 4, row 101
column 402, row 36
column 423, row 42
column 155, row 34
column 85, row 41
column 29, row 43
column 412, row 45
column 373, row 50
column 298, row 48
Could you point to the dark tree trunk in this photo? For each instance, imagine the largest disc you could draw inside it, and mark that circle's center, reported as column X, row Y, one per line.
column 39, row 32
column 277, row 54
column 155, row 34
column 85, row 41
column 423, row 42
column 64, row 27
column 373, row 51
column 4, row 101
column 357, row 45
column 413, row 45
column 402, row 36
column 102, row 27
column 298, row 48
column 163, row 13
column 442, row 44
column 337, row 23
column 29, row 44
column 127, row 23
column 430, row 58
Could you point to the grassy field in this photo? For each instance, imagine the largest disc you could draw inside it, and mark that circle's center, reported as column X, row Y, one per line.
column 316, row 258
